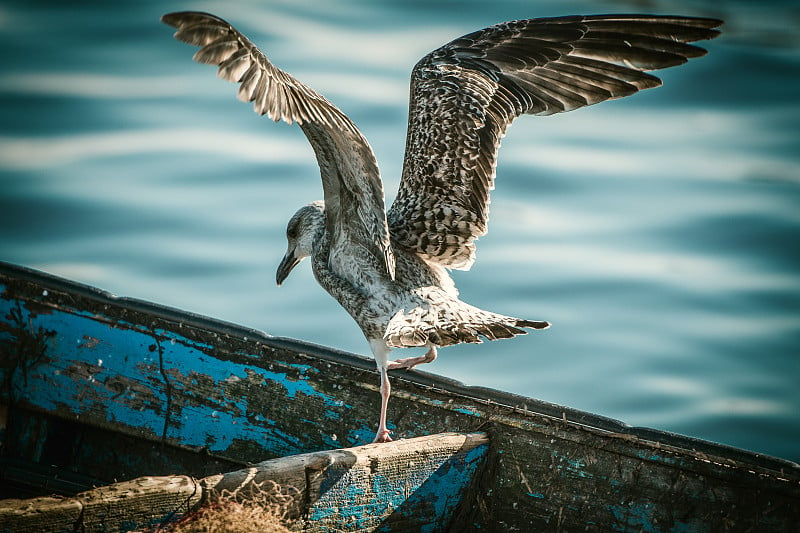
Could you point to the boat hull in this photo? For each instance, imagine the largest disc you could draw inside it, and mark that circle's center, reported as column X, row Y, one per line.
column 105, row 388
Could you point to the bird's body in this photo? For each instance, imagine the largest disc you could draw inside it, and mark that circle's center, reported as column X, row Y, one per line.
column 419, row 307
column 389, row 270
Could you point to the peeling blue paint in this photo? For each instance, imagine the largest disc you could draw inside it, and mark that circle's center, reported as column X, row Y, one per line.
column 650, row 456
column 302, row 368
column 468, row 411
column 429, row 492
column 117, row 370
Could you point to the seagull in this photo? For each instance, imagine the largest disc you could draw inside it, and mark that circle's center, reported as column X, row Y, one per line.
column 390, row 270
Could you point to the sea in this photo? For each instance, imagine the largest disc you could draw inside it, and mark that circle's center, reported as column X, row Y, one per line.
column 659, row 233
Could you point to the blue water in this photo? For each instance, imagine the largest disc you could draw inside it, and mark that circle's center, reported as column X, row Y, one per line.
column 660, row 234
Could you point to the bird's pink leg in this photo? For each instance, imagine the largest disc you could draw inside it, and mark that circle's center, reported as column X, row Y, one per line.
column 411, row 362
column 381, row 353
column 386, row 389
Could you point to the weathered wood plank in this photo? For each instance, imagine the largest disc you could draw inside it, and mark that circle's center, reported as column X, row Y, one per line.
column 38, row 515
column 190, row 381
column 124, row 506
column 140, row 502
column 407, row 485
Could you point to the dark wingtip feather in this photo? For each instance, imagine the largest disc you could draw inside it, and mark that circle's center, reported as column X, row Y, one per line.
column 178, row 19
column 167, row 19
column 533, row 324
column 173, row 19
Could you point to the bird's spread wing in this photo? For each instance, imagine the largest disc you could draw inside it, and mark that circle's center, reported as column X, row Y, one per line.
column 354, row 201
column 465, row 94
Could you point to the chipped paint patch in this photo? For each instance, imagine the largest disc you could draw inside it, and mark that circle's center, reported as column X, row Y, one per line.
column 572, row 467
column 648, row 455
column 468, row 411
column 362, row 495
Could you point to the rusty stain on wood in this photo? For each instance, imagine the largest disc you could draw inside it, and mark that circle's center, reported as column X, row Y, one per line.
column 241, row 396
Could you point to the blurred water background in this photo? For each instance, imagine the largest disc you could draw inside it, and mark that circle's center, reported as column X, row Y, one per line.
column 660, row 234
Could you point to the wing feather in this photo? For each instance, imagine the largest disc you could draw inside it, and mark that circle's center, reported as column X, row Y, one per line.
column 354, row 200
column 466, row 93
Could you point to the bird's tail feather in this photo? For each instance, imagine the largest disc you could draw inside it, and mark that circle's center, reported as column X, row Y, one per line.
column 426, row 326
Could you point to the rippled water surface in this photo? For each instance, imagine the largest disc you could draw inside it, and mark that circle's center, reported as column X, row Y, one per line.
column 660, row 234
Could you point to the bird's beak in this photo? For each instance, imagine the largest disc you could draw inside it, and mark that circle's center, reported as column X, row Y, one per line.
column 287, row 264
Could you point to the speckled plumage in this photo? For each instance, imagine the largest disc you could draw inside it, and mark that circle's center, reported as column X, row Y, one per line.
column 389, row 270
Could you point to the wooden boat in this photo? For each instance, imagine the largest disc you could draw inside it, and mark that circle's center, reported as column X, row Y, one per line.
column 96, row 389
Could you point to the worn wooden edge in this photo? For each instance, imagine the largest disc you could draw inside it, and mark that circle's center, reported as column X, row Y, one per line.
column 295, row 465
column 364, row 477
column 516, row 405
column 123, row 506
column 419, row 481
column 36, row 515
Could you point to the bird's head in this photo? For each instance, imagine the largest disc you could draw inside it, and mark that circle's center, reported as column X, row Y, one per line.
column 302, row 231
